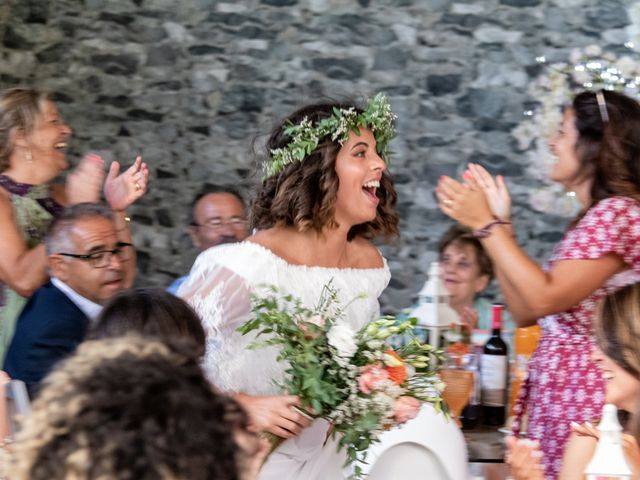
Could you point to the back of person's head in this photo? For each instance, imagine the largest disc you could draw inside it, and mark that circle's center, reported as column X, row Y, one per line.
column 459, row 236
column 19, row 108
column 150, row 312
column 608, row 144
column 303, row 193
column 125, row 409
column 58, row 238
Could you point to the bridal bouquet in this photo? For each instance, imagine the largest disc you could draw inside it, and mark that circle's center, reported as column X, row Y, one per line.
column 351, row 378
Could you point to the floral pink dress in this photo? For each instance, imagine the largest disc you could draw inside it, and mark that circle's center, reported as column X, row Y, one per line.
column 563, row 383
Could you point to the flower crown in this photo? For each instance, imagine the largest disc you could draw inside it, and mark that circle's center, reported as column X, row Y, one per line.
column 593, row 70
column 587, row 69
column 305, row 136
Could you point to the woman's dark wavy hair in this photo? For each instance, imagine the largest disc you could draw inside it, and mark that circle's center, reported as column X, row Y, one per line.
column 304, row 193
column 150, row 312
column 609, row 151
column 129, row 408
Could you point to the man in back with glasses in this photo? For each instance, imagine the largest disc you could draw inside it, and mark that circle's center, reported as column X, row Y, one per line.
column 89, row 262
column 217, row 216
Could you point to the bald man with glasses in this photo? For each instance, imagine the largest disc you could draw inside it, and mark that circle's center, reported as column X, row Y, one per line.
column 218, row 216
column 90, row 262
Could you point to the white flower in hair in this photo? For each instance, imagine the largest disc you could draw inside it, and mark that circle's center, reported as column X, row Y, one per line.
column 305, row 136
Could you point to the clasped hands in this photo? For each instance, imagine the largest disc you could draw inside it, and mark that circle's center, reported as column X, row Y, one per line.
column 120, row 189
column 475, row 201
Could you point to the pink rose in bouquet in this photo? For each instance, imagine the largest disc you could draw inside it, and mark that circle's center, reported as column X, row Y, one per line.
column 370, row 377
column 406, row 408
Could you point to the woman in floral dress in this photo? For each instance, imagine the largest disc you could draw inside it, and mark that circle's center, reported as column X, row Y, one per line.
column 598, row 157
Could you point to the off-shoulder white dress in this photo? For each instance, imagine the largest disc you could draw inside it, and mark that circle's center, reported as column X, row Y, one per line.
column 219, row 288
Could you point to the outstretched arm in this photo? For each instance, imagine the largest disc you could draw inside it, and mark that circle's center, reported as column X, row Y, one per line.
column 23, row 269
column 530, row 292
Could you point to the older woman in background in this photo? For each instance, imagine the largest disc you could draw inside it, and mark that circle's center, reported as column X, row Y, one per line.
column 33, row 144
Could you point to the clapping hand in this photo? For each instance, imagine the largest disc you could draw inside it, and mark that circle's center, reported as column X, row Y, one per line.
column 83, row 184
column 524, row 457
column 124, row 189
column 585, row 430
column 463, row 203
column 469, row 318
column 495, row 190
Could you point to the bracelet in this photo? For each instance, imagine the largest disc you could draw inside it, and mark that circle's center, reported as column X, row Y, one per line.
column 127, row 220
column 485, row 231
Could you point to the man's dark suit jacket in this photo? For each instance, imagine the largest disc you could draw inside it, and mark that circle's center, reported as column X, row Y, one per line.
column 49, row 328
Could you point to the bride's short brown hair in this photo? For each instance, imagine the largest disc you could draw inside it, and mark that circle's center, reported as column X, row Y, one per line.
column 304, row 193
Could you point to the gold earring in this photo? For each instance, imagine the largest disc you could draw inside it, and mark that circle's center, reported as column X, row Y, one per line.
column 28, row 157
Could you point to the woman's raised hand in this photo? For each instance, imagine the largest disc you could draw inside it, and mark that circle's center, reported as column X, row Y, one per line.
column 524, row 457
column 464, row 203
column 83, row 184
column 585, row 430
column 469, row 318
column 495, row 189
column 124, row 189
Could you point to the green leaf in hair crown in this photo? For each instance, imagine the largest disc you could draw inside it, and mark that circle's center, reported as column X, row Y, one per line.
column 305, row 135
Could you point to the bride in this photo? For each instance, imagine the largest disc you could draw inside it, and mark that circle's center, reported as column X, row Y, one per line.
column 326, row 193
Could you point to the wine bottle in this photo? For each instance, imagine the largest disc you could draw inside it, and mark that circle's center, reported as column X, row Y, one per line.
column 494, row 372
column 609, row 462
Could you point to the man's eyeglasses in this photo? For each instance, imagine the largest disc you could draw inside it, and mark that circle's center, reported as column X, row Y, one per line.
column 102, row 258
column 217, row 223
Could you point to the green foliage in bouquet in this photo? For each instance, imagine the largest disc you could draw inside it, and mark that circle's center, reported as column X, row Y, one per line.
column 352, row 379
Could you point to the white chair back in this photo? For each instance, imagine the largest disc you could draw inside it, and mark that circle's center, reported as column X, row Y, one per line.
column 16, row 404
column 429, row 446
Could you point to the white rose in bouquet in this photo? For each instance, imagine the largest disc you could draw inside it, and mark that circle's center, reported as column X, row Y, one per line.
column 343, row 339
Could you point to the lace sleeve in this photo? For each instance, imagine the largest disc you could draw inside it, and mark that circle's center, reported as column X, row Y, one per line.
column 218, row 295
column 221, row 298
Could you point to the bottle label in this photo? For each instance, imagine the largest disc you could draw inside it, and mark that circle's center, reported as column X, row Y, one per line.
column 494, row 380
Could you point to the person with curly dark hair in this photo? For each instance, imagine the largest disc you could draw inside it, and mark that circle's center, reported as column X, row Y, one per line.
column 129, row 408
column 325, row 194
column 149, row 312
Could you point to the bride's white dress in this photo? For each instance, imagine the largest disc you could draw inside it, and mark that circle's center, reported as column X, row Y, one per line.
column 219, row 288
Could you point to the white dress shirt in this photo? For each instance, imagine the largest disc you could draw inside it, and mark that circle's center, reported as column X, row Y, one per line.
column 89, row 308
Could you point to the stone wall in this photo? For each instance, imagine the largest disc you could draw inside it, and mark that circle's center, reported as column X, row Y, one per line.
column 190, row 84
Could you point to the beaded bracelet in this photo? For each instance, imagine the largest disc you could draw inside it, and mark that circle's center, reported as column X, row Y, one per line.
column 486, row 230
